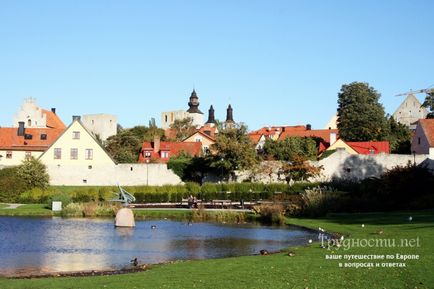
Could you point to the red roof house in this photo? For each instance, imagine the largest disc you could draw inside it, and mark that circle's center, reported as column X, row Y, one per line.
column 423, row 139
column 158, row 151
column 370, row 147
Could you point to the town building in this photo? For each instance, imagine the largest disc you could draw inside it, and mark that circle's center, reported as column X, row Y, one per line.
column 169, row 117
column 161, row 151
column 410, row 111
column 35, row 117
column 19, row 143
column 365, row 148
column 205, row 139
column 423, row 140
column 101, row 125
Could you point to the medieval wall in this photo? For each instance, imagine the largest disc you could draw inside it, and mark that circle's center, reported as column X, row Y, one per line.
column 105, row 175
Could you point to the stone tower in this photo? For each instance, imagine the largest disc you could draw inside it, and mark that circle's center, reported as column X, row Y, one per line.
column 410, row 111
column 194, row 111
column 229, row 117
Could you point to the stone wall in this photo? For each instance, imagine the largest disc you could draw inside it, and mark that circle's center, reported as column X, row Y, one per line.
column 108, row 175
column 342, row 165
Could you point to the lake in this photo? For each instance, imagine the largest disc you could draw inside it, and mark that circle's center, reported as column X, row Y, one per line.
column 42, row 245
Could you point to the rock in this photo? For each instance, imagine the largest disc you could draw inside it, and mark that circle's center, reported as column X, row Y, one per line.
column 125, row 218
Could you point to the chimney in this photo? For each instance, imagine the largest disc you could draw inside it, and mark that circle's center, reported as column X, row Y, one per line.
column 76, row 117
column 156, row 143
column 308, row 126
column 21, row 129
column 332, row 138
column 53, row 110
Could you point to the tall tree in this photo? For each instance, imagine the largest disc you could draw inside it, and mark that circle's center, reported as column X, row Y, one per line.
column 399, row 137
column 291, row 147
column 234, row 151
column 429, row 103
column 183, row 128
column 360, row 115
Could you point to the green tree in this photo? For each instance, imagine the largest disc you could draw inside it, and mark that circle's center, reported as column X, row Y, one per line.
column 33, row 173
column 124, row 147
column 399, row 137
column 360, row 115
column 290, row 147
column 299, row 169
column 429, row 103
column 234, row 151
column 189, row 168
column 183, row 127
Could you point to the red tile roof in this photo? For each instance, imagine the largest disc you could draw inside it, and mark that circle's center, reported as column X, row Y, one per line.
column 173, row 149
column 303, row 132
column 53, row 120
column 428, row 129
column 9, row 139
column 365, row 148
column 255, row 137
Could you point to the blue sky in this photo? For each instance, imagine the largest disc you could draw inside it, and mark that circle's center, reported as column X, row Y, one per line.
column 276, row 62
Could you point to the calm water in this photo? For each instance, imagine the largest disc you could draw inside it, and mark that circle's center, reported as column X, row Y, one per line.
column 37, row 245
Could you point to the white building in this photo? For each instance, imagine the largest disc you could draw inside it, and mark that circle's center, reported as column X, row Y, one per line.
column 169, row 117
column 35, row 117
column 410, row 111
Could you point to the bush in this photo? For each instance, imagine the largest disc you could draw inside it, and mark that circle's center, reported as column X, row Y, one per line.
column 73, row 210
column 60, row 197
column 37, row 195
column 11, row 186
column 271, row 213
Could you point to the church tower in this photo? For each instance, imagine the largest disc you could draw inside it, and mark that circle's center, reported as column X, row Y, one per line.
column 229, row 117
column 211, row 118
column 194, row 111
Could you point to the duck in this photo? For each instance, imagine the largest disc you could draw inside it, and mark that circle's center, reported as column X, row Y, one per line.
column 134, row 262
column 153, row 227
column 263, row 252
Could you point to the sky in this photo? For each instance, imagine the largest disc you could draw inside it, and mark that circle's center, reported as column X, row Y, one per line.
column 275, row 62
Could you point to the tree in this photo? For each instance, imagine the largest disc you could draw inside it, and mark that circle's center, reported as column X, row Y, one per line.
column 299, row 169
column 125, row 146
column 189, row 168
column 399, row 137
column 360, row 115
column 429, row 103
column 290, row 147
column 183, row 127
column 234, row 151
column 33, row 173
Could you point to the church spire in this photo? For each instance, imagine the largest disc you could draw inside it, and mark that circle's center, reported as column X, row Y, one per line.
column 194, row 103
column 229, row 115
column 211, row 117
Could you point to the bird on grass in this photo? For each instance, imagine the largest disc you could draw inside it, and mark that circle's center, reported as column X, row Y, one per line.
column 134, row 262
column 264, row 252
column 410, row 218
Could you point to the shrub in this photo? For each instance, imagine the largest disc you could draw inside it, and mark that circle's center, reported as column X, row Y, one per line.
column 60, row 197
column 73, row 210
column 11, row 186
column 89, row 209
column 271, row 213
column 84, row 195
column 37, row 195
column 33, row 173
column 317, row 203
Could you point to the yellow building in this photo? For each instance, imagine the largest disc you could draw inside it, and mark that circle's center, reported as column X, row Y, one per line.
column 206, row 140
column 340, row 144
column 76, row 147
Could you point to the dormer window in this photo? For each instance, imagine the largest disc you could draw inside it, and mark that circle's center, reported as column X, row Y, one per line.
column 164, row 155
column 147, row 154
column 43, row 136
column 28, row 136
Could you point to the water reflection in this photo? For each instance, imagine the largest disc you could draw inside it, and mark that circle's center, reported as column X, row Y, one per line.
column 38, row 245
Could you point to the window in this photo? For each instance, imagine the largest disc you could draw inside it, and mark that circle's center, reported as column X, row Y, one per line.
column 371, row 151
column 43, row 136
column 164, row 155
column 28, row 136
column 57, row 153
column 28, row 155
column 418, row 140
column 165, row 118
column 29, row 123
column 88, row 154
column 89, row 167
column 75, row 135
column 198, row 139
column 147, row 154
column 9, row 154
column 74, row 154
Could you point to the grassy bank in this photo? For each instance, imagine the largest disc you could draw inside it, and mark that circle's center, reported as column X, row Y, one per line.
column 308, row 268
column 30, row 210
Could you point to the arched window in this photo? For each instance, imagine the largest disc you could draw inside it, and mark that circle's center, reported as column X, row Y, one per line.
column 29, row 122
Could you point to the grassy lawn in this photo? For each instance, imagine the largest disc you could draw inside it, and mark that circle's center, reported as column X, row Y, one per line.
column 308, row 268
column 26, row 210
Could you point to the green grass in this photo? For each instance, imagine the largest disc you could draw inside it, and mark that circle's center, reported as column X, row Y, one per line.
column 27, row 210
column 308, row 268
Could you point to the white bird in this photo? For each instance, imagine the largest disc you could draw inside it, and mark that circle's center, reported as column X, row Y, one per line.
column 310, row 241
column 363, row 225
column 410, row 218
column 342, row 238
